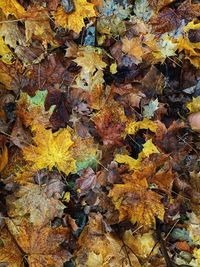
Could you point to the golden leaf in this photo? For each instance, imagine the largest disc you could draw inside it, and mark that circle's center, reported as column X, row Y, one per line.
column 96, row 248
column 191, row 49
column 136, row 202
column 75, row 20
column 51, row 150
column 10, row 253
column 91, row 75
column 142, row 245
column 133, row 127
column 5, row 52
column 41, row 245
column 12, row 7
column 148, row 149
column 133, row 47
column 194, row 105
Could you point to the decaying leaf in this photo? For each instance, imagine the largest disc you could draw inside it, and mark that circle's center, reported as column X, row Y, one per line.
column 136, row 202
column 41, row 245
column 150, row 109
column 10, row 253
column 98, row 248
column 51, row 150
column 91, row 75
column 31, row 201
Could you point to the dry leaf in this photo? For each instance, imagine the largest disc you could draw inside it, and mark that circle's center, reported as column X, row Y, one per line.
column 133, row 47
column 97, row 248
column 41, row 245
column 51, row 150
column 10, row 254
column 136, row 202
column 74, row 20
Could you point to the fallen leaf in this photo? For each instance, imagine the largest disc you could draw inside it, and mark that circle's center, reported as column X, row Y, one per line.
column 97, row 248
column 133, row 47
column 194, row 105
column 150, row 109
column 74, row 20
column 41, row 245
column 133, row 127
column 5, row 52
column 12, row 7
column 51, row 150
column 10, row 253
column 32, row 202
column 3, row 157
column 136, row 202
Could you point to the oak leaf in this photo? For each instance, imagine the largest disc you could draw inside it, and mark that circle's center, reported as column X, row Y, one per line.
column 136, row 202
column 74, row 20
column 51, row 150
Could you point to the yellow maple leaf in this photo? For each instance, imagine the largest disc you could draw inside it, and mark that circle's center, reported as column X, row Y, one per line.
column 74, row 20
column 148, row 149
column 191, row 49
column 133, row 47
column 135, row 202
column 5, row 52
column 194, row 105
column 91, row 75
column 133, row 127
column 51, row 150
column 12, row 7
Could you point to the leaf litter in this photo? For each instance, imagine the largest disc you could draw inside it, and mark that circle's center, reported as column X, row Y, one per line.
column 99, row 133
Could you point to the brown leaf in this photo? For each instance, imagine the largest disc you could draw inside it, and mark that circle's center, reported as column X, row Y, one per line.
column 32, row 201
column 10, row 253
column 41, row 245
column 19, row 136
column 87, row 181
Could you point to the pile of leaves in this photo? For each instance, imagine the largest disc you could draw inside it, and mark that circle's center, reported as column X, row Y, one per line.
column 99, row 133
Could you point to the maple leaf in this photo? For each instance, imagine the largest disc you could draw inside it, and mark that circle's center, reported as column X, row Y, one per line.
column 37, row 25
column 110, row 123
column 136, row 202
column 133, row 127
column 194, row 105
column 41, row 245
column 12, row 7
column 32, row 111
column 191, row 48
column 74, row 20
column 133, row 47
column 150, row 109
column 10, row 253
column 91, row 75
column 148, row 149
column 96, row 248
column 32, row 202
column 51, row 150
column 141, row 244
